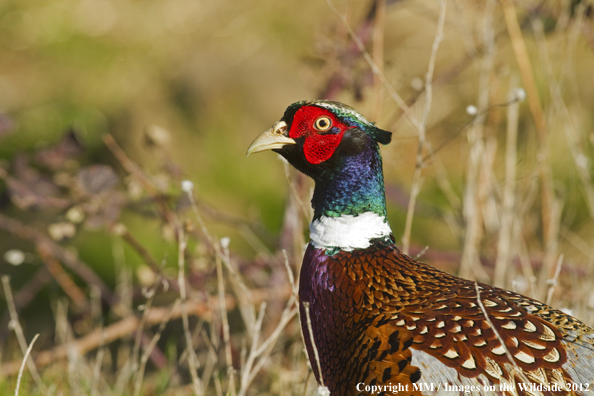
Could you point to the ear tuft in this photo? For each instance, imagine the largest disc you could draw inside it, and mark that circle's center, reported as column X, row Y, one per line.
column 381, row 136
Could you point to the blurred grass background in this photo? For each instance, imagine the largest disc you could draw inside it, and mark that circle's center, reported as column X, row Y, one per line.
column 185, row 85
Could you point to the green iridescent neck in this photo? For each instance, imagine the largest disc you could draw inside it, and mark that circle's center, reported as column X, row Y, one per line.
column 353, row 187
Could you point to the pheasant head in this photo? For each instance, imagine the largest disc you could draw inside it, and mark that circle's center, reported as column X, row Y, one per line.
column 339, row 149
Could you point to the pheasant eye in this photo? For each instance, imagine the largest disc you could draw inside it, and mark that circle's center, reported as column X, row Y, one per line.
column 323, row 123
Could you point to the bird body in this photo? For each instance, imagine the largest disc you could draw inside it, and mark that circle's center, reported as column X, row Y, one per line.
column 384, row 323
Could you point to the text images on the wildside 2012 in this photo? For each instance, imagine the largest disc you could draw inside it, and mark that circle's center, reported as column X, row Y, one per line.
column 431, row 387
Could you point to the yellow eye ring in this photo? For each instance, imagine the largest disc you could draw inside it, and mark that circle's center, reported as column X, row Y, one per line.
column 323, row 123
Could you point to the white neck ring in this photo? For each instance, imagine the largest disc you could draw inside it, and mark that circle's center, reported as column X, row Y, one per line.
column 348, row 232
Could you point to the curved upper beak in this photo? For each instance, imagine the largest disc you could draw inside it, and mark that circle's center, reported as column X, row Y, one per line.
column 274, row 138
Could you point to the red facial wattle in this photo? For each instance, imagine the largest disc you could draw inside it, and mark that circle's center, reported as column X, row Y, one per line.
column 318, row 146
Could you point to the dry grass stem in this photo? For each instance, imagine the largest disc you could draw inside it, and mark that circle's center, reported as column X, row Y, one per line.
column 313, row 342
column 526, row 72
column 252, row 239
column 259, row 353
column 149, row 348
column 378, row 58
column 192, row 359
column 527, row 270
column 554, row 281
column 556, row 87
column 470, row 267
column 414, row 192
column 131, row 366
column 551, row 250
column 18, row 330
column 211, row 360
column 22, row 369
column 525, row 66
column 223, row 313
column 246, row 370
column 199, row 219
column 577, row 242
column 246, row 299
column 306, row 210
column 505, row 250
column 422, row 127
column 294, row 287
column 512, row 361
column 97, row 370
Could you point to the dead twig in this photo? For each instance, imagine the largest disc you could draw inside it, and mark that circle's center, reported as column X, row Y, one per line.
column 130, row 324
column 374, row 68
column 135, row 170
column 64, row 280
column 69, row 259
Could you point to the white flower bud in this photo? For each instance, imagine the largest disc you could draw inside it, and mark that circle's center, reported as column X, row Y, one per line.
column 187, row 186
column 519, row 94
column 471, row 110
column 14, row 257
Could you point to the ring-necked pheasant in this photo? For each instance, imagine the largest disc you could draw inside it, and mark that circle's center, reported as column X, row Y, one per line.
column 384, row 322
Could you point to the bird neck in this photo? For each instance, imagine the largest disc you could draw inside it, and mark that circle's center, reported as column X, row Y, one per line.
column 349, row 203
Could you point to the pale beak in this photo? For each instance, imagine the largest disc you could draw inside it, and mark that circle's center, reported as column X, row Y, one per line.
column 274, row 138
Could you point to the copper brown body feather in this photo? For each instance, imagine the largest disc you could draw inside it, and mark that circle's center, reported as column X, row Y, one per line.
column 373, row 309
